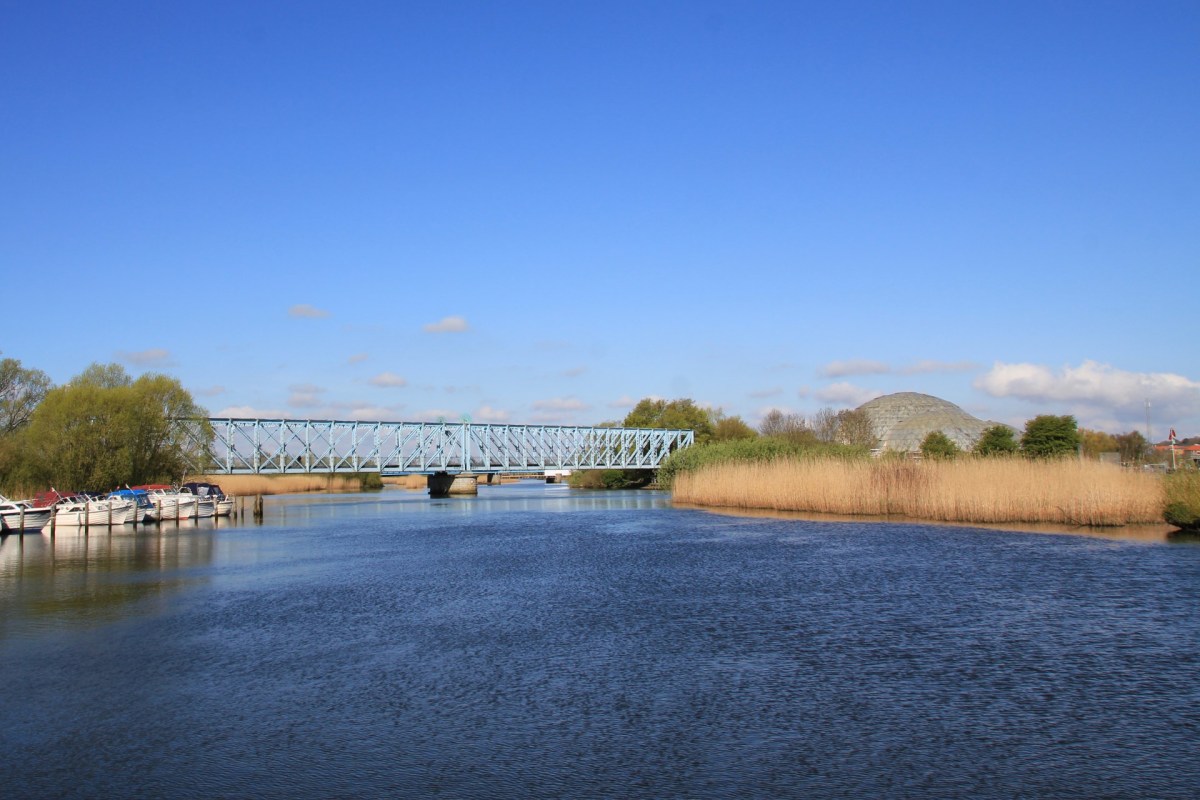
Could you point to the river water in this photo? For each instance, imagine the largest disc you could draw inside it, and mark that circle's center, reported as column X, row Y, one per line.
column 538, row 642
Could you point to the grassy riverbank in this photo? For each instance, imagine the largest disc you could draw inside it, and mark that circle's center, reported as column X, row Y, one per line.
column 966, row 490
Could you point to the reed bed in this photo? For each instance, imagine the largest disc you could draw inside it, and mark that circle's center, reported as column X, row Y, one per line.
column 247, row 485
column 965, row 490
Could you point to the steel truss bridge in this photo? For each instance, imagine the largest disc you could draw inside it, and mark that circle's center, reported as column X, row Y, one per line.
column 282, row 446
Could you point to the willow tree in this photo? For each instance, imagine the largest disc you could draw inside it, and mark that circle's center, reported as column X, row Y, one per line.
column 104, row 429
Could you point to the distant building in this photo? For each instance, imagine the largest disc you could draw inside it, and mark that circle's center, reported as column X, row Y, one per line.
column 1184, row 453
column 901, row 421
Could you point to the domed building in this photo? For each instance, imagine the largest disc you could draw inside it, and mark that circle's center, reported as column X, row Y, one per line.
column 901, row 421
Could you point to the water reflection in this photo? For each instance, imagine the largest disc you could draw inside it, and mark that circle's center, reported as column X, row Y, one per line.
column 522, row 496
column 77, row 577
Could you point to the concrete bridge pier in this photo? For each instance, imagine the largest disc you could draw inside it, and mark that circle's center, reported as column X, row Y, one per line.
column 442, row 484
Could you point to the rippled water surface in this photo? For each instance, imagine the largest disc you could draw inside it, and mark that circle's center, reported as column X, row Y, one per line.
column 534, row 642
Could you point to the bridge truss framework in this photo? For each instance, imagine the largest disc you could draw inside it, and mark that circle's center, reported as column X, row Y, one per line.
column 283, row 446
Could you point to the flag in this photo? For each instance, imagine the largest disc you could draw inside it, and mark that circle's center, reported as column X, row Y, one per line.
column 1172, row 436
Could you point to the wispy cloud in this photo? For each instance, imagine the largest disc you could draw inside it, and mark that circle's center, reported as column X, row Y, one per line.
column 211, row 391
column 561, row 404
column 304, row 395
column 368, row 413
column 251, row 412
column 154, row 357
column 357, row 358
column 388, row 380
column 760, row 394
column 1096, row 385
column 846, row 394
column 857, row 366
column 447, row 325
column 574, row 372
column 845, row 369
column 489, row 414
column 305, row 311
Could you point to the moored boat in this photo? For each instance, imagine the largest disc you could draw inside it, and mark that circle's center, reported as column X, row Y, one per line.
column 170, row 504
column 222, row 503
column 81, row 510
column 22, row 516
column 144, row 511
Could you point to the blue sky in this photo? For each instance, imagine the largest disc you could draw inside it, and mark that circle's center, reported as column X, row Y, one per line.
column 542, row 212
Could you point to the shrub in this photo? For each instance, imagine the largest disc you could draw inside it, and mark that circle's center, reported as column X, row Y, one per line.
column 938, row 445
column 1183, row 499
column 762, row 449
column 1048, row 436
column 997, row 440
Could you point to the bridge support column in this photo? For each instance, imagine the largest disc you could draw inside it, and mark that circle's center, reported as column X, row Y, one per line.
column 442, row 484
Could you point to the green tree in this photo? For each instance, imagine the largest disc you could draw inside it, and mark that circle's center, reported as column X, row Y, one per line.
column 103, row 430
column 675, row 415
column 731, row 428
column 20, row 392
column 998, row 440
column 1095, row 443
column 937, row 445
column 1050, row 436
column 1132, row 446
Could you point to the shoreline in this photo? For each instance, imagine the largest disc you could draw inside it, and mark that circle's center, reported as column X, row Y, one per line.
column 1140, row 532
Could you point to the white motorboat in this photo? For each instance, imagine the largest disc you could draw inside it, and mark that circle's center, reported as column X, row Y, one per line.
column 170, row 504
column 20, row 516
column 222, row 503
column 91, row 512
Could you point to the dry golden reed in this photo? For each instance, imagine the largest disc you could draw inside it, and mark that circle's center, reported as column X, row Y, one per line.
column 973, row 490
column 246, row 485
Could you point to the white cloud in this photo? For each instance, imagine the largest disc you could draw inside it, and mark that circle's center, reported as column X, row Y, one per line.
column 846, row 394
column 154, row 357
column 447, row 325
column 624, row 401
column 489, row 414
column 436, row 414
column 858, row 366
column 388, row 380
column 303, row 399
column 374, row 414
column 1095, row 385
column 305, row 311
column 250, row 412
column 357, row 358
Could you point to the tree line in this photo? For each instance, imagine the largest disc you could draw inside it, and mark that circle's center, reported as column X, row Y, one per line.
column 100, row 430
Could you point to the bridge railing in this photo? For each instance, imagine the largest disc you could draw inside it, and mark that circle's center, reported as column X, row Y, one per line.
column 281, row 446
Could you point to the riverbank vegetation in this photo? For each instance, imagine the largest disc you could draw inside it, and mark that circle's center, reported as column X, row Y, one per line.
column 976, row 490
column 1183, row 499
column 101, row 430
column 247, row 485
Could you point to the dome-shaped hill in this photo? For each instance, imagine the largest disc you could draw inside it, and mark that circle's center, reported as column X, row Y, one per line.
column 901, row 421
